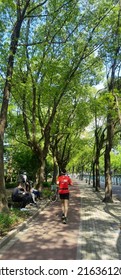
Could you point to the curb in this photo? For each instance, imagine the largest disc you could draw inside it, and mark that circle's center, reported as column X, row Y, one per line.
column 20, row 227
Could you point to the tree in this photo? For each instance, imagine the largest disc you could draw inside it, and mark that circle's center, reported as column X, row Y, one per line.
column 98, row 107
column 113, row 62
column 21, row 10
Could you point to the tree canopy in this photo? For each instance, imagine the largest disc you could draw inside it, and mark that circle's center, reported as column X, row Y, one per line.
column 53, row 55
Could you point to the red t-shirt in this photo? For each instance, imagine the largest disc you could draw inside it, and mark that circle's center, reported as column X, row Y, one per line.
column 64, row 181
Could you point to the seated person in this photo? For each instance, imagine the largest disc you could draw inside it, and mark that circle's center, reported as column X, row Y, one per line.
column 19, row 194
column 37, row 194
column 30, row 190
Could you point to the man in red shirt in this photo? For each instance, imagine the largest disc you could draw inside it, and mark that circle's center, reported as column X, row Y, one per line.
column 63, row 183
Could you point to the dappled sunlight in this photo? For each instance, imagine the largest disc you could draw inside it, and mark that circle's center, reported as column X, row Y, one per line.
column 47, row 237
column 93, row 231
column 99, row 228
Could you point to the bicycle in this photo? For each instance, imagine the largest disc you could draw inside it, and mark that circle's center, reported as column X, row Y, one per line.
column 54, row 193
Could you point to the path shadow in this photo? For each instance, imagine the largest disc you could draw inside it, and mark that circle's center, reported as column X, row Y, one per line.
column 47, row 238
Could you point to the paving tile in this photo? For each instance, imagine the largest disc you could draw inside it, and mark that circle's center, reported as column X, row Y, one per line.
column 93, row 231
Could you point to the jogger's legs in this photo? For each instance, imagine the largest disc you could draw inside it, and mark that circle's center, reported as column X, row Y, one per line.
column 64, row 205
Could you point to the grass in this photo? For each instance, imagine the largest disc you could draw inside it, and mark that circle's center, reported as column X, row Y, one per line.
column 9, row 221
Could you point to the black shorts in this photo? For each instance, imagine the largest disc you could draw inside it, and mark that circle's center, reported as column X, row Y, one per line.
column 64, row 196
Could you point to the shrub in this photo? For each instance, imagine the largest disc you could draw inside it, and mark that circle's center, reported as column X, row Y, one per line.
column 46, row 193
column 46, row 184
column 10, row 185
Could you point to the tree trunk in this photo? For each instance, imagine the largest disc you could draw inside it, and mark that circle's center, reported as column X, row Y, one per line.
column 97, row 187
column 82, row 173
column 41, row 174
column 93, row 174
column 108, row 183
column 3, row 195
column 55, row 170
column 89, row 182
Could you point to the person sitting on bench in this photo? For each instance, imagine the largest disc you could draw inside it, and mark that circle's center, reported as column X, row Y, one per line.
column 19, row 194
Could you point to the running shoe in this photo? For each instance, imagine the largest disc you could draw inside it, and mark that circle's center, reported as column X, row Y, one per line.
column 65, row 220
column 62, row 217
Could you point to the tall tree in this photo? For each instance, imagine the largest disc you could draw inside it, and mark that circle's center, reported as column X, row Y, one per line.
column 21, row 10
column 113, row 63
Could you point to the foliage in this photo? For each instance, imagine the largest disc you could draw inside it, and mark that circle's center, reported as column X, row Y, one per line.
column 46, row 185
column 22, row 159
column 46, row 193
column 116, row 160
column 82, row 153
column 48, row 168
column 10, row 185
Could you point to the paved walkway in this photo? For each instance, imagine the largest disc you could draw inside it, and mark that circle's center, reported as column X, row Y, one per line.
column 92, row 233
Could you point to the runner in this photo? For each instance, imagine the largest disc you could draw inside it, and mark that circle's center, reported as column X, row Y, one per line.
column 63, row 182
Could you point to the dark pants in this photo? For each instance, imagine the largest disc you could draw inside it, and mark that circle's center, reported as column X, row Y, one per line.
column 37, row 193
column 24, row 199
column 64, row 196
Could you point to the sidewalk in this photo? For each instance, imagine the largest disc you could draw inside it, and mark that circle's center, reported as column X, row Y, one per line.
column 100, row 227
column 92, row 233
